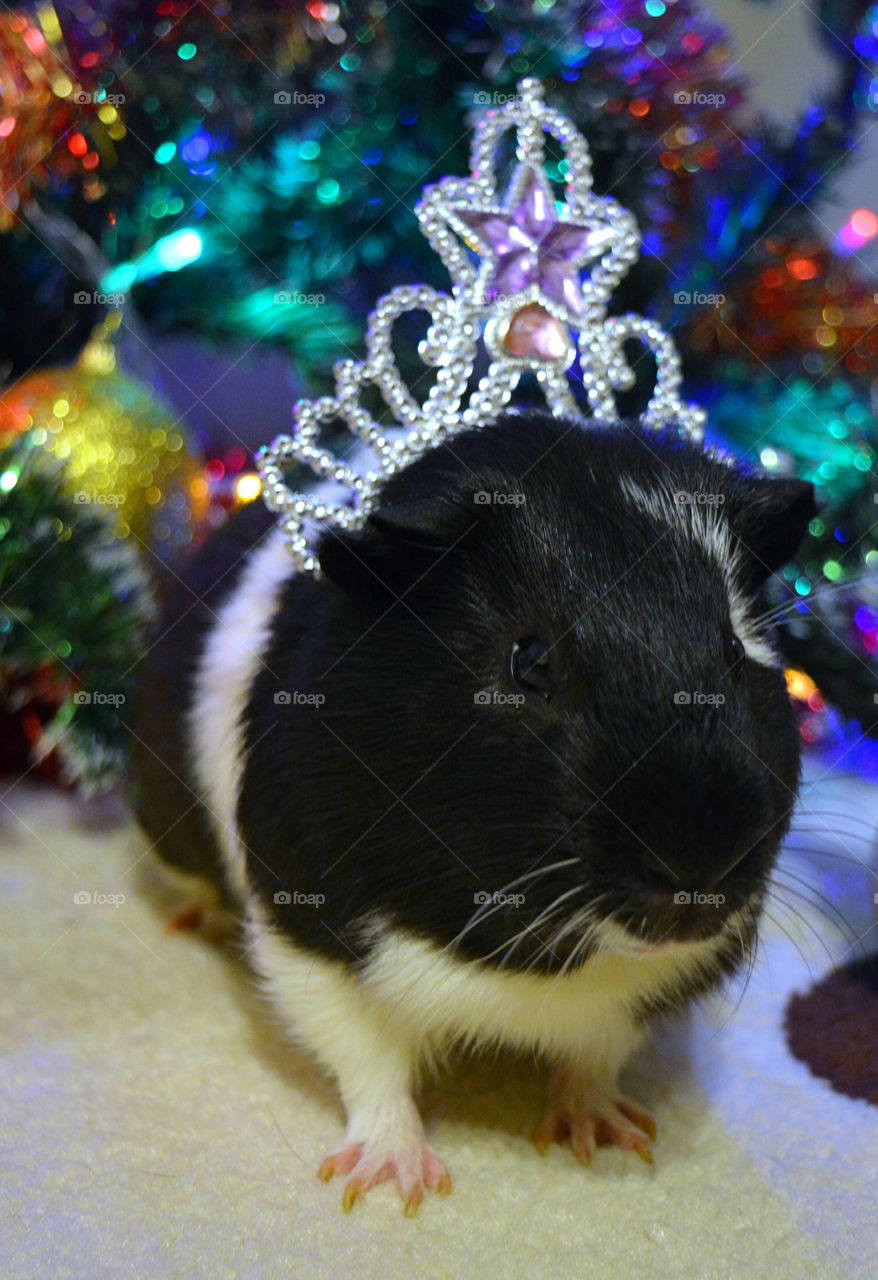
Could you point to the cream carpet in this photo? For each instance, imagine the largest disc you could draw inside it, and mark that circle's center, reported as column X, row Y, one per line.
column 154, row 1124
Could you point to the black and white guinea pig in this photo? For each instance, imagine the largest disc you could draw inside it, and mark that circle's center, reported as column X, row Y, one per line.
column 512, row 769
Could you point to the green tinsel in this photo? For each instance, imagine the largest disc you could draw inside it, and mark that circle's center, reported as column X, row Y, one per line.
column 74, row 602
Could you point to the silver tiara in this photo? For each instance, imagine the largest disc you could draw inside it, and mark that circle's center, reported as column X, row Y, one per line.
column 535, row 299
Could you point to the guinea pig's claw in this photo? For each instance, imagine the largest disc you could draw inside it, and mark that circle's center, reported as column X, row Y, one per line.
column 642, row 1119
column 588, row 1117
column 349, row 1196
column 413, row 1170
column 413, row 1203
column 341, row 1161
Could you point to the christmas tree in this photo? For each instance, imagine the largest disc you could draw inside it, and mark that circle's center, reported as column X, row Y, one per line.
column 247, row 174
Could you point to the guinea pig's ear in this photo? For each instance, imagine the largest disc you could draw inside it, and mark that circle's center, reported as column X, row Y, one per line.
column 770, row 518
column 398, row 543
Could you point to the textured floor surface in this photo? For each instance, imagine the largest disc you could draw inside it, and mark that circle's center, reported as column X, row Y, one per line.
column 154, row 1125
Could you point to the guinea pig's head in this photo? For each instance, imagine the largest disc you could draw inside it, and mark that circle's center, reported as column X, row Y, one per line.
column 551, row 665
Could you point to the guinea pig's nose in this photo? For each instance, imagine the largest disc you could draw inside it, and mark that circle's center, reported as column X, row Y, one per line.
column 677, row 910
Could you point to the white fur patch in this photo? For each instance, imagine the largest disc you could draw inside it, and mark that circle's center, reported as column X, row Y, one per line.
column 230, row 660
column 414, row 1000
column 705, row 522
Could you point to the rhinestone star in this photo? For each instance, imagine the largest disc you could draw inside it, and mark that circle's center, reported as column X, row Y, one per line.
column 529, row 243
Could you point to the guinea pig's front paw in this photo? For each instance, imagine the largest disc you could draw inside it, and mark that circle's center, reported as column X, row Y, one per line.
column 396, row 1151
column 590, row 1115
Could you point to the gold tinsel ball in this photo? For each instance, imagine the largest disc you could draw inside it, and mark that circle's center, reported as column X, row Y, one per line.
column 121, row 448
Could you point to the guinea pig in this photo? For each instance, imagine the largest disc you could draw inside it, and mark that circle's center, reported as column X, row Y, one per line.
column 511, row 769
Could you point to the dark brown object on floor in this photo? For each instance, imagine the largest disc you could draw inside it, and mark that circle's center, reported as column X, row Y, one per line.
column 833, row 1029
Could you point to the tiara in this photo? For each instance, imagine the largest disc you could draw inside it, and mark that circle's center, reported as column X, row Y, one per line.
column 531, row 280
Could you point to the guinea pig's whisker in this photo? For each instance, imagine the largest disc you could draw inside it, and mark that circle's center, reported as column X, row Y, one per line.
column 488, row 908
column 803, row 919
column 588, row 919
column 749, row 949
column 509, row 944
column 825, row 588
column 819, row 852
column 859, row 837
column 547, row 944
column 866, row 837
column 849, row 853
column 580, row 921
column 808, row 811
column 549, row 911
column 777, row 924
column 843, row 923
column 799, row 918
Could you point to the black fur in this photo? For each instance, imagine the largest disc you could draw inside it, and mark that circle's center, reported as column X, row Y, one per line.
column 403, row 795
column 164, row 793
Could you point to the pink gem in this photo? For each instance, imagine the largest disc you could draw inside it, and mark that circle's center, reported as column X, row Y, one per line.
column 534, row 333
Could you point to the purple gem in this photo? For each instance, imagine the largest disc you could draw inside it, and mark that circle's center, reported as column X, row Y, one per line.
column 532, row 245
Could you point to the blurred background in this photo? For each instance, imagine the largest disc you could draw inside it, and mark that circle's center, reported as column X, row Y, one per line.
column 202, row 201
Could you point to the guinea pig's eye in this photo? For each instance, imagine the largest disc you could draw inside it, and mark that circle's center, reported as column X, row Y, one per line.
column 735, row 655
column 530, row 666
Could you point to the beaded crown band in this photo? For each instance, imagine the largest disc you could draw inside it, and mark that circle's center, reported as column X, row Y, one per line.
column 535, row 299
